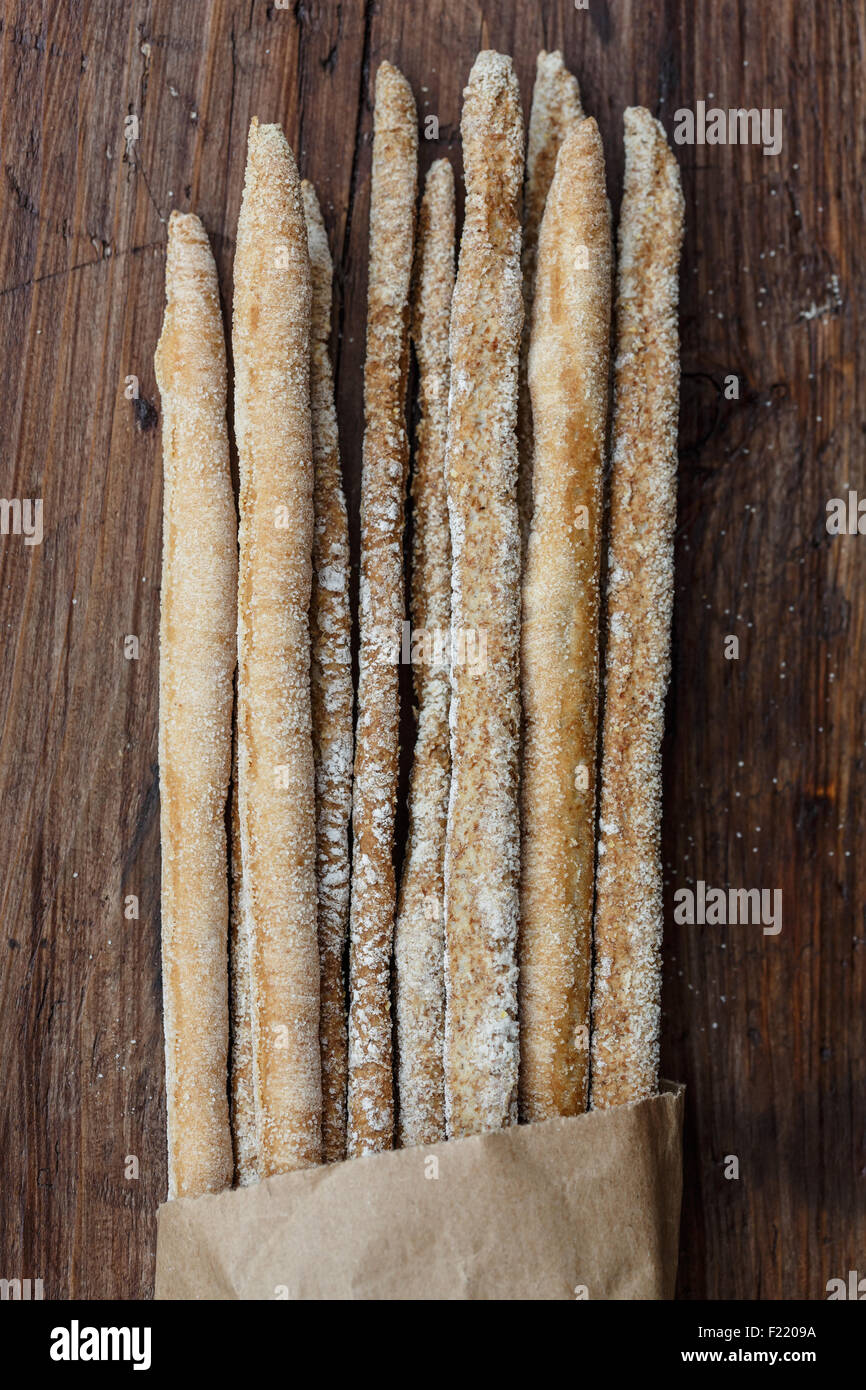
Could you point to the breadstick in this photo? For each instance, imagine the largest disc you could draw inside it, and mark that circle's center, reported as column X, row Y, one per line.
column 568, row 376
column 383, row 488
column 241, row 1091
column 628, row 919
column 271, row 342
column 196, row 670
column 555, row 110
column 419, row 930
column 482, row 840
column 332, row 692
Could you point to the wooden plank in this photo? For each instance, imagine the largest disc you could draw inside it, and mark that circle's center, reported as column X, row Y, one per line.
column 768, row 1032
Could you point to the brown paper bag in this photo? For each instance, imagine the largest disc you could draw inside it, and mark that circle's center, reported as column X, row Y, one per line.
column 587, row 1207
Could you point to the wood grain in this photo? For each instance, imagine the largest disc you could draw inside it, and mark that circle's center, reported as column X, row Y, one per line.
column 769, row 1033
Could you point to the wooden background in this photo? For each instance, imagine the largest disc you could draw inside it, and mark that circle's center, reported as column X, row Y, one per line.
column 765, row 772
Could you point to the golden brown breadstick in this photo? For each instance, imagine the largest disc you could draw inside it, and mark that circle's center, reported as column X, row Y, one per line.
column 568, row 376
column 419, row 930
column 383, row 488
column 482, row 841
column 271, row 342
column 241, row 1090
column 555, row 110
column 196, row 669
column 628, row 920
column 332, row 692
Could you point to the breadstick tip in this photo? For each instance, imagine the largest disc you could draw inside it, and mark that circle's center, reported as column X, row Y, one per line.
column 186, row 225
column 440, row 171
column 646, row 140
column 638, row 118
column 641, row 128
column 551, row 67
column 271, row 183
column 580, row 171
column 393, row 85
column 492, row 128
column 556, row 107
column 266, row 135
column 312, row 211
column 491, row 94
column 583, row 137
column 321, row 264
column 190, row 280
column 187, row 244
column 267, row 147
column 387, row 72
column 493, row 70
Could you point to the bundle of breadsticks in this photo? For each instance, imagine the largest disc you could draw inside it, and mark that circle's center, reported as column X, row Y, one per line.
column 322, row 1005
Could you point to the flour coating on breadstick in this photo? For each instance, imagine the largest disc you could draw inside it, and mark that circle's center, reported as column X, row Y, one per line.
column 419, row 930
column 241, row 1088
column 556, row 109
column 197, row 661
column 568, row 375
column 628, row 922
column 332, row 692
column 271, row 343
column 482, row 842
column 381, row 610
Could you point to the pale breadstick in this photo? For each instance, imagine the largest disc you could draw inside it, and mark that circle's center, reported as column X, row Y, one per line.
column 271, row 342
column 482, row 850
column 628, row 921
column 381, row 608
column 555, row 110
column 241, row 1090
column 419, row 930
column 196, row 668
column 332, row 692
column 568, row 375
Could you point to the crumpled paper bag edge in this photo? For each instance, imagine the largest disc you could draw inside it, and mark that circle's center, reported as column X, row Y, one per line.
column 378, row 1227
